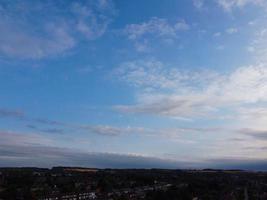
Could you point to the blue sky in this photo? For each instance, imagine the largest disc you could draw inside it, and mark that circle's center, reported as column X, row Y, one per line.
column 102, row 83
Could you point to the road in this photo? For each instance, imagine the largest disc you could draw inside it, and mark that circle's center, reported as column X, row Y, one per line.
column 246, row 193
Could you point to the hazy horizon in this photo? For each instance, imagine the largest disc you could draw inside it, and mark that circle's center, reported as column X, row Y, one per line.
column 133, row 84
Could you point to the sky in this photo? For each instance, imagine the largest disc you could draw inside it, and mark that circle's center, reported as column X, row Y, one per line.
column 133, row 84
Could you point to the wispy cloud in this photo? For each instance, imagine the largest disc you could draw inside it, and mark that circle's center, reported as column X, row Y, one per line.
column 38, row 29
column 155, row 28
column 93, row 18
column 21, row 44
column 231, row 30
column 220, row 47
column 16, row 154
column 11, row 113
column 113, row 131
column 173, row 134
column 228, row 5
column 23, row 149
column 199, row 4
column 171, row 92
column 255, row 133
column 22, row 138
column 158, row 27
column 152, row 74
column 254, row 116
column 47, row 121
column 34, row 122
column 46, row 130
column 258, row 45
column 217, row 34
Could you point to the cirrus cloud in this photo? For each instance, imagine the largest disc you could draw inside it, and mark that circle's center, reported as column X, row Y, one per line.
column 228, row 5
column 39, row 29
column 155, row 28
column 167, row 91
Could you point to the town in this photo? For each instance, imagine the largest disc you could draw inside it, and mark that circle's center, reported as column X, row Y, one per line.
column 69, row 183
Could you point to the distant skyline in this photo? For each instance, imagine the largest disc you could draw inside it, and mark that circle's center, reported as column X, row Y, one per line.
column 133, row 84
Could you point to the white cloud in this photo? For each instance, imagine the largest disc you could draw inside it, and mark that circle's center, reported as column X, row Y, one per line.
column 181, row 26
column 217, row 34
column 228, row 5
column 198, row 4
column 143, row 34
column 34, row 30
column 89, row 23
column 170, row 92
column 20, row 149
column 114, row 131
column 258, row 45
column 231, row 30
column 220, row 47
column 251, row 49
column 152, row 74
column 22, row 44
column 142, row 46
column 23, row 139
column 250, row 113
column 259, row 134
column 156, row 27
column 253, row 116
column 177, row 135
column 239, row 141
column 43, row 156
